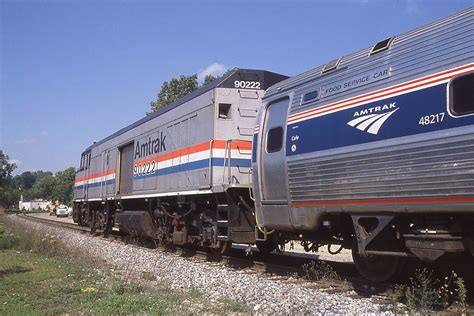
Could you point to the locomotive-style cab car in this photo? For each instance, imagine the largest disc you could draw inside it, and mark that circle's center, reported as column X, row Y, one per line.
column 374, row 150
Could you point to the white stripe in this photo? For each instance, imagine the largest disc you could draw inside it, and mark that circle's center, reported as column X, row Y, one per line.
column 202, row 155
column 96, row 179
column 362, row 126
column 356, row 121
column 166, row 194
column 374, row 129
column 377, row 96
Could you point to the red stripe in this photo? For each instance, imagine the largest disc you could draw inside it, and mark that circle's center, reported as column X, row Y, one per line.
column 392, row 90
column 95, row 175
column 387, row 201
column 216, row 144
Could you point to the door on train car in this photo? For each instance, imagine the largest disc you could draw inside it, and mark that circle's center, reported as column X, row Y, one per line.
column 125, row 182
column 272, row 153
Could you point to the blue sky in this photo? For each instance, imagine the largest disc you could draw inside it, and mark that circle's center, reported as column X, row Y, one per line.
column 72, row 72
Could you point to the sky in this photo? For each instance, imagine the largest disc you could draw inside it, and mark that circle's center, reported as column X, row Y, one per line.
column 72, row 72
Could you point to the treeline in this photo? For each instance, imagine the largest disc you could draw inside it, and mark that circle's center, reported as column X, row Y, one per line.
column 34, row 185
column 177, row 88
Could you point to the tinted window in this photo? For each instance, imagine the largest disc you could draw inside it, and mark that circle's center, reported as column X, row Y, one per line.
column 461, row 95
column 225, row 111
column 310, row 96
column 331, row 65
column 382, row 45
column 274, row 139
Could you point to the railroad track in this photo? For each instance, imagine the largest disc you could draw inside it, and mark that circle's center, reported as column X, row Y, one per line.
column 285, row 267
column 288, row 267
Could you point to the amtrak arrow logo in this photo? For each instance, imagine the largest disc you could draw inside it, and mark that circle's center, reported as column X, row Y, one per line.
column 371, row 123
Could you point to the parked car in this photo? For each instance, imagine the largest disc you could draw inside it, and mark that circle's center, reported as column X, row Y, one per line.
column 69, row 211
column 62, row 211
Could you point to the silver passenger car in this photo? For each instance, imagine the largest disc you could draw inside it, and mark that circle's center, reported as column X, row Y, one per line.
column 375, row 147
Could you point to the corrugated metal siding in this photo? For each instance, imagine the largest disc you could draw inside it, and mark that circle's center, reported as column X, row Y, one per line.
column 435, row 169
column 402, row 168
column 440, row 45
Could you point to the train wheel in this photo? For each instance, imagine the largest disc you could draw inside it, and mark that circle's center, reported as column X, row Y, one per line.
column 377, row 268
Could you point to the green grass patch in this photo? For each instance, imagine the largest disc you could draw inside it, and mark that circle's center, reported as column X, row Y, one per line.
column 49, row 281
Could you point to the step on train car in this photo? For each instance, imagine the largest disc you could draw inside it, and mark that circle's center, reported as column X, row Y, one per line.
column 181, row 174
column 374, row 150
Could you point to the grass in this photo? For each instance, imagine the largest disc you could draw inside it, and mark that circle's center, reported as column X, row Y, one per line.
column 36, row 277
column 425, row 294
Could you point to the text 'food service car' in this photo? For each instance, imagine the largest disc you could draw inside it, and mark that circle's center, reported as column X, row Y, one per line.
column 374, row 150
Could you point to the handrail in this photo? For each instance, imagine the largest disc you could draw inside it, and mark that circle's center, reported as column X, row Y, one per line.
column 229, row 167
column 252, row 197
column 211, row 142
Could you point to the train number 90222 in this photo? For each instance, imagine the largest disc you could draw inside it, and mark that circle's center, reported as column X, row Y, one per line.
column 144, row 168
column 242, row 84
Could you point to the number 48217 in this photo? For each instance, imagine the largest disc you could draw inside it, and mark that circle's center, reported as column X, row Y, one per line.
column 431, row 119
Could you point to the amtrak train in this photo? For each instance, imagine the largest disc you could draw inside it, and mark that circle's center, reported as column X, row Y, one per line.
column 372, row 151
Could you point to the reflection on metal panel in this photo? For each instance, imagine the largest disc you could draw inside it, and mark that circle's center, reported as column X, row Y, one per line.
column 273, row 162
column 438, row 168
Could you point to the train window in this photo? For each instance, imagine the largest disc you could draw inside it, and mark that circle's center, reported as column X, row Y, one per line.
column 310, row 96
column 85, row 160
column 461, row 95
column 331, row 65
column 225, row 112
column 274, row 139
column 382, row 45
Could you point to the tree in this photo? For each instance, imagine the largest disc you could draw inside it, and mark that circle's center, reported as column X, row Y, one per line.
column 44, row 187
column 64, row 185
column 26, row 181
column 177, row 88
column 6, row 167
column 9, row 194
column 209, row 79
column 173, row 90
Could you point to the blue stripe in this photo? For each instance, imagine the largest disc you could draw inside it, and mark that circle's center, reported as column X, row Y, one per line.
column 93, row 185
column 199, row 164
column 332, row 131
column 254, row 147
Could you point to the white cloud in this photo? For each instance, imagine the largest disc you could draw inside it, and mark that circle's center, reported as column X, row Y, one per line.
column 44, row 133
column 214, row 69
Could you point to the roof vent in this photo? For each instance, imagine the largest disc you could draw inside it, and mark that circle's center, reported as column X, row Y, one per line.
column 333, row 64
column 382, row 45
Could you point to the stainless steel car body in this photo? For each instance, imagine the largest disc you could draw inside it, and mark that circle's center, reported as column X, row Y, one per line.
column 370, row 132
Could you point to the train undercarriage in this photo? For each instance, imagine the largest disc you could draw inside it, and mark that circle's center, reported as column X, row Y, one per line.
column 381, row 244
column 212, row 221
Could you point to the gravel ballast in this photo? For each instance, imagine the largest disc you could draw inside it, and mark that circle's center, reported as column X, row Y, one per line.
column 261, row 293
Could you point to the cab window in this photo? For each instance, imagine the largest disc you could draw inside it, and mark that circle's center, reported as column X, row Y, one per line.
column 275, row 139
